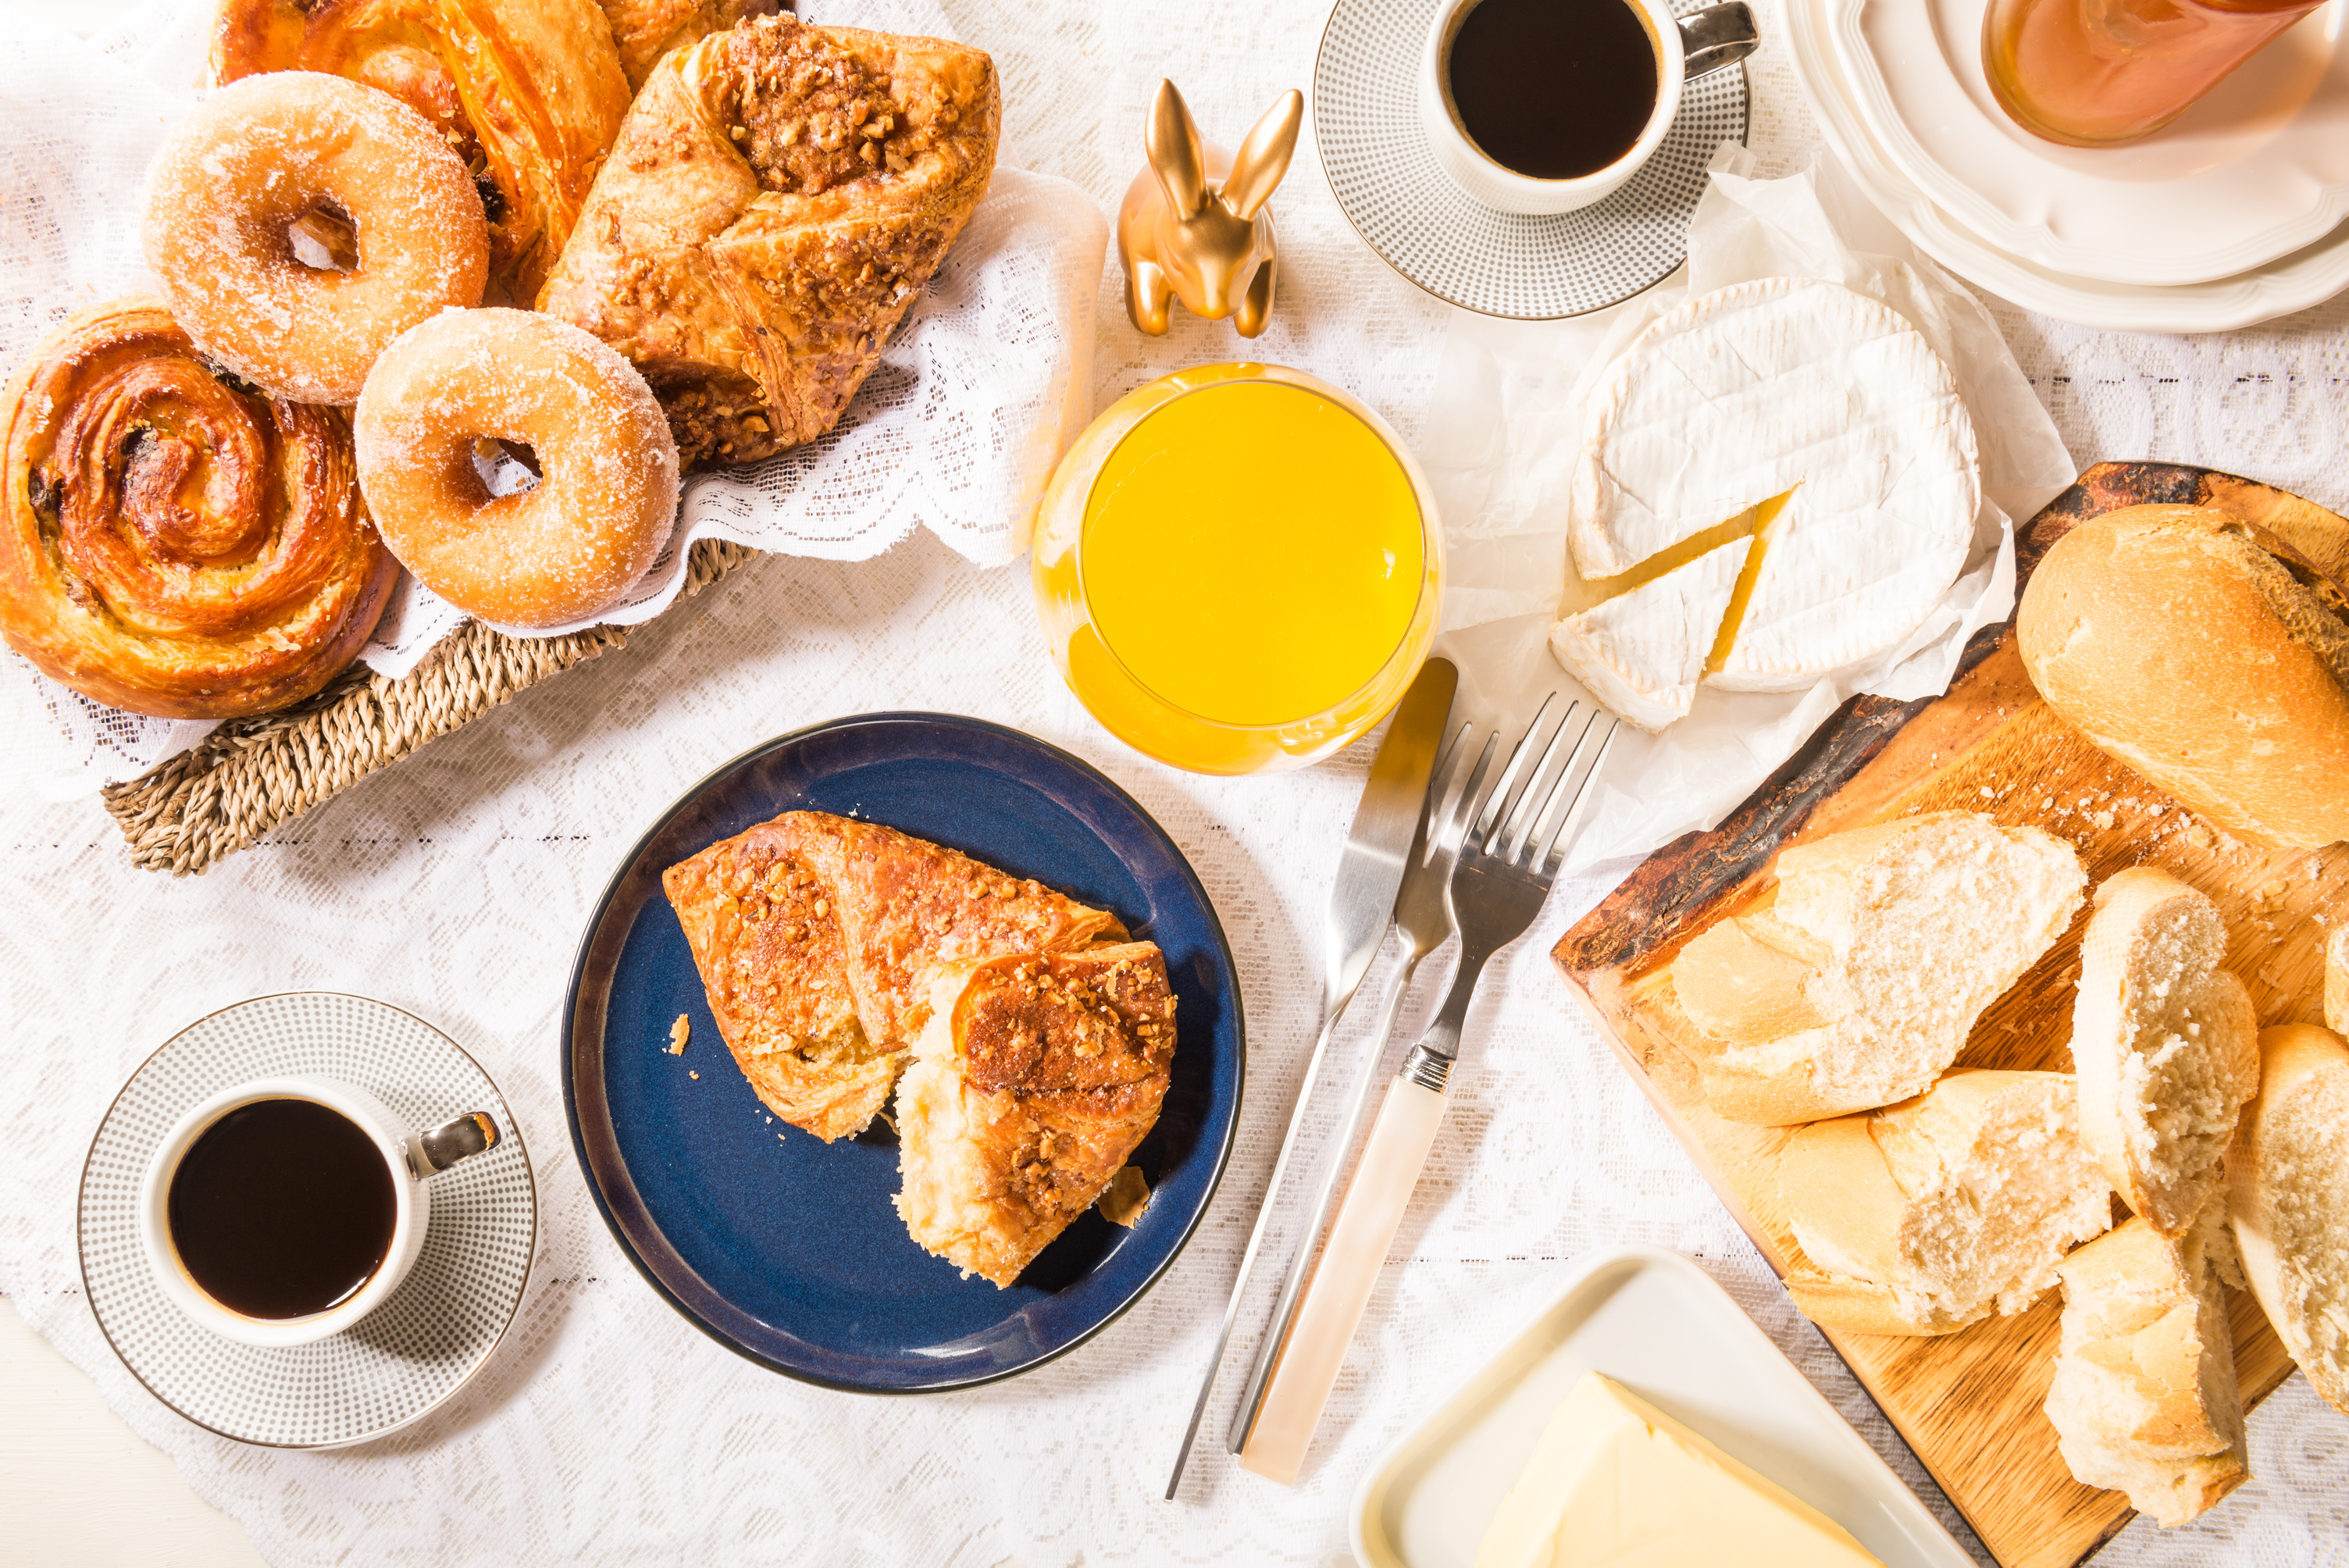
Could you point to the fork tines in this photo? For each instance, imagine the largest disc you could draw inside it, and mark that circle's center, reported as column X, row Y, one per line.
column 1527, row 816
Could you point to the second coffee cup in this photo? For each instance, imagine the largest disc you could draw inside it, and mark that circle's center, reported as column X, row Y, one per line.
column 1545, row 106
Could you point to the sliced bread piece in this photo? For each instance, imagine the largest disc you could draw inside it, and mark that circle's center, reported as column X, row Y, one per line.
column 2336, row 979
column 2144, row 1399
column 2165, row 1043
column 1928, row 1215
column 2288, row 1200
column 1859, row 987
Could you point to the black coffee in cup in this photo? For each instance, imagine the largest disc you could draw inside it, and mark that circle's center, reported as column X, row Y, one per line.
column 282, row 1208
column 1552, row 90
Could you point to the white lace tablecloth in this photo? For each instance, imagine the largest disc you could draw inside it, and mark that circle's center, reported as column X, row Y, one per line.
column 456, row 884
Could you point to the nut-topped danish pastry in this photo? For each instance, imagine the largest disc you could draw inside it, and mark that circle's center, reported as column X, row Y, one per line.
column 176, row 544
column 777, row 198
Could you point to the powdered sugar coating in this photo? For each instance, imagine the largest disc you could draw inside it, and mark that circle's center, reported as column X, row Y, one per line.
column 571, row 544
column 265, row 151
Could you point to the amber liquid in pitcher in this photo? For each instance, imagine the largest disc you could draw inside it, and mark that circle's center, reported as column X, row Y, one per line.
column 2099, row 73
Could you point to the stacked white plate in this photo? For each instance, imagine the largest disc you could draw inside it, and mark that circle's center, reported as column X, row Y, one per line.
column 2236, row 212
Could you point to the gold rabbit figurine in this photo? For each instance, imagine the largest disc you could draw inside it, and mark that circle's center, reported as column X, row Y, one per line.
column 1210, row 245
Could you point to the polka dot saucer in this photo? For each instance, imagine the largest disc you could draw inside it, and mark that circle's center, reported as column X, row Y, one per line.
column 1385, row 177
column 402, row 1359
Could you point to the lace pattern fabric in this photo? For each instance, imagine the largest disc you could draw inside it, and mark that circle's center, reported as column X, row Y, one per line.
column 457, row 883
column 957, row 429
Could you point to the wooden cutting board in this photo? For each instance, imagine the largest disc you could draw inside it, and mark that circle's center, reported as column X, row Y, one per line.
column 1969, row 1403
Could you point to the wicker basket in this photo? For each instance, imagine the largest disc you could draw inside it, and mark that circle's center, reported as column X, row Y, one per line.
column 246, row 777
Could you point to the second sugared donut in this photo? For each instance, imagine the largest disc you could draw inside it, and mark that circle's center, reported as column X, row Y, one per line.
column 441, row 397
column 390, row 221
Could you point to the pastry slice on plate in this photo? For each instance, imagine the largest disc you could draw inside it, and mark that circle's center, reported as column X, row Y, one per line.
column 1036, row 1079
column 765, row 934
column 813, row 934
column 907, row 906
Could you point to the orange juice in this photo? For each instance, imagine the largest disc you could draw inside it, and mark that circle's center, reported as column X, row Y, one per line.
column 1237, row 569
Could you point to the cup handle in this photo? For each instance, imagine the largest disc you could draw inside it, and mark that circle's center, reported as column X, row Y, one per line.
column 1718, row 35
column 453, row 1140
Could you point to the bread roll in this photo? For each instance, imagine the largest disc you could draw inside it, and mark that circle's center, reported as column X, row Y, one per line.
column 1928, row 1215
column 1860, row 984
column 2288, row 1200
column 2209, row 657
column 2165, row 1043
column 2145, row 1399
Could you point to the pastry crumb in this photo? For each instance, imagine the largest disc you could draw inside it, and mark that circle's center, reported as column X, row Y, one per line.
column 694, row 1076
column 679, row 1033
column 1126, row 1198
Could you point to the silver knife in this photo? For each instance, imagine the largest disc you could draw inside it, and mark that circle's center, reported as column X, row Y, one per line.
column 1422, row 908
column 1361, row 907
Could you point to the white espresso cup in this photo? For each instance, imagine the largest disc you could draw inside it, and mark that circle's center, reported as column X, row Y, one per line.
column 1687, row 47
column 410, row 1159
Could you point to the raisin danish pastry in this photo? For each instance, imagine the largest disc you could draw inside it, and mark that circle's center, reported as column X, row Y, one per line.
column 174, row 543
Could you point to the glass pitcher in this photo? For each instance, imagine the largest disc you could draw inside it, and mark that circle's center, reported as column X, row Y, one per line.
column 2101, row 72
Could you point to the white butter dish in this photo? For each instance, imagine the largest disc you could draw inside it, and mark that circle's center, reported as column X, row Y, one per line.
column 1656, row 1323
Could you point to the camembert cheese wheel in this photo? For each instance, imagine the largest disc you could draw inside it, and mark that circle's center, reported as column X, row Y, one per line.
column 1808, row 419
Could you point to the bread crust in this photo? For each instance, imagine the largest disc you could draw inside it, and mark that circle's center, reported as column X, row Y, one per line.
column 2106, row 1021
column 2303, row 1082
column 1853, row 1188
column 2145, row 1399
column 2207, row 657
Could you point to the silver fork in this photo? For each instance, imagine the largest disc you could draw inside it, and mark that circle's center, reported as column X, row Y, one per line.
column 1515, row 839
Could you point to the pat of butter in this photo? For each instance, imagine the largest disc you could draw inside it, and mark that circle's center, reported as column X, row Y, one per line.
column 1616, row 1481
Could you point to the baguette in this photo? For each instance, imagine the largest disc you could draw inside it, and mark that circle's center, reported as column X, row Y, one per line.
column 2145, row 1399
column 2288, row 1200
column 1926, row 1216
column 1859, row 986
column 2165, row 1044
column 2207, row 655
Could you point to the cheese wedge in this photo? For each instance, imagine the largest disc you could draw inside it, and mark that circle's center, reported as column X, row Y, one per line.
column 1642, row 653
column 1748, row 393
column 1615, row 1480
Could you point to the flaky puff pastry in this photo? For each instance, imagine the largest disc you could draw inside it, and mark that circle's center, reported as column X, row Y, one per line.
column 646, row 29
column 1036, row 1077
column 176, row 545
column 776, row 199
column 815, row 933
column 529, row 92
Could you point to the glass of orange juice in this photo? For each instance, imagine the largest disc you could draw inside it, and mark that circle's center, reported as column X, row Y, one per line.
column 1238, row 568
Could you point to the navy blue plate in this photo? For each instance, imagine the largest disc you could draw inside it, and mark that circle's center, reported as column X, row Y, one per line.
column 790, row 1250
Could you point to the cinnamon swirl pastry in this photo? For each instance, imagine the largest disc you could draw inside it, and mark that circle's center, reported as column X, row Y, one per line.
column 777, row 196
column 175, row 544
column 529, row 93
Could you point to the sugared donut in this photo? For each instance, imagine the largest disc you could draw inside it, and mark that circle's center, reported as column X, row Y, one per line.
column 567, row 547
column 260, row 156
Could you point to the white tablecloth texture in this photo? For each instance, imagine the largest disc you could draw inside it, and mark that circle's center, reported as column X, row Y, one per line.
column 456, row 884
